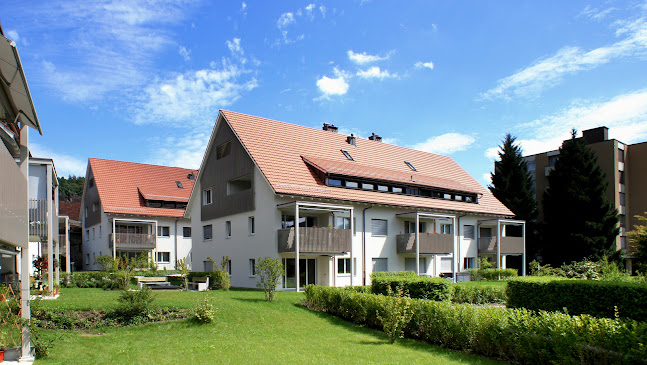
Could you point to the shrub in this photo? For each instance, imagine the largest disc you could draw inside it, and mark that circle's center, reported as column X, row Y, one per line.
column 107, row 263
column 394, row 273
column 482, row 294
column 136, row 303
column 596, row 298
column 513, row 335
column 416, row 286
column 204, row 312
column 184, row 270
column 269, row 272
column 360, row 289
column 491, row 274
column 395, row 315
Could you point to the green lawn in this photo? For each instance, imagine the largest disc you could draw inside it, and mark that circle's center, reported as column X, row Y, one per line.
column 484, row 283
column 247, row 330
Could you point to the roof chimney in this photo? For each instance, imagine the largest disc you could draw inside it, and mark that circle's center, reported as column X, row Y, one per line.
column 191, row 176
column 329, row 127
column 596, row 135
column 375, row 137
column 351, row 140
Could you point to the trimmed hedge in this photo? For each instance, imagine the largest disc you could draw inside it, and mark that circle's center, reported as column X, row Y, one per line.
column 481, row 294
column 514, row 335
column 597, row 298
column 492, row 274
column 421, row 287
column 217, row 279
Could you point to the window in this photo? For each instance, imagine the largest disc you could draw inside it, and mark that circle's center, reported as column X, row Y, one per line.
column 445, row 264
column 238, row 185
column 367, row 186
column 163, row 231
column 380, row 264
column 91, row 183
column 343, row 266
column 352, row 184
column 532, row 166
column 621, row 155
column 95, row 207
column 410, row 166
column 287, row 221
column 186, row 232
column 229, row 267
column 379, row 227
column 623, row 220
column 223, row 150
column 410, row 264
column 251, row 223
column 410, row 227
column 179, row 184
column 348, row 156
column 99, row 231
column 207, row 232
column 252, row 267
column 552, row 160
column 206, row 197
column 382, row 188
column 621, row 175
column 446, row 228
column 469, row 263
column 468, row 232
column 87, row 257
column 87, row 234
column 342, row 223
column 208, row 266
column 93, row 236
column 86, row 212
column 228, row 229
column 396, row 189
column 623, row 242
column 164, row 257
column 622, row 199
column 334, row 182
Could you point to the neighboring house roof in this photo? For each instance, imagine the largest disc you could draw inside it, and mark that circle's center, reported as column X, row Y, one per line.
column 124, row 187
column 283, row 153
column 70, row 209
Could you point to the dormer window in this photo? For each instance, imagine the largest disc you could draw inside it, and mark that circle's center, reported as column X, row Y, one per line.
column 179, row 184
column 410, row 166
column 348, row 156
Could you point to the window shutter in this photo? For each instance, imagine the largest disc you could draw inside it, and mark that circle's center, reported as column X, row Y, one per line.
column 468, row 232
column 379, row 227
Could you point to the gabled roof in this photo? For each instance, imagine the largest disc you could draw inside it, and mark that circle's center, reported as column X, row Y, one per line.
column 70, row 209
column 124, row 186
column 289, row 156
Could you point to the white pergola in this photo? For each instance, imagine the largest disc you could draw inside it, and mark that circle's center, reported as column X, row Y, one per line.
column 500, row 223
column 114, row 225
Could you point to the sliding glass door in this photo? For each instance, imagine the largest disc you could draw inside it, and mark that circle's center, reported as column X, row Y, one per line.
column 307, row 273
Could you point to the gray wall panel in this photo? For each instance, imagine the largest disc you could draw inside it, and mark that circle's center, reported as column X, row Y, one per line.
column 13, row 202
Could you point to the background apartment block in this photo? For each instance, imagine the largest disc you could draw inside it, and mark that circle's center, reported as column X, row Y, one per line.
column 625, row 167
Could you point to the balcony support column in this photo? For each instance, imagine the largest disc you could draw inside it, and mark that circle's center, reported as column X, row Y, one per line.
column 417, row 244
column 523, row 256
column 498, row 245
column 50, row 231
column 67, row 250
column 352, row 262
column 114, row 240
column 296, row 245
column 455, row 253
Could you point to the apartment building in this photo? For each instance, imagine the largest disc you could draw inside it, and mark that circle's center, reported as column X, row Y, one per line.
column 132, row 208
column 335, row 208
column 624, row 167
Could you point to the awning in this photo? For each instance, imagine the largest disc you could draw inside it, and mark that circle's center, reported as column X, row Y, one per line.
column 13, row 81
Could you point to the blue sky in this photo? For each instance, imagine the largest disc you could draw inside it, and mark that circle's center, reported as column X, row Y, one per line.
column 143, row 80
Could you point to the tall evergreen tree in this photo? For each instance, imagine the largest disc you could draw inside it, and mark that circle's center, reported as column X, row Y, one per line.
column 512, row 182
column 579, row 220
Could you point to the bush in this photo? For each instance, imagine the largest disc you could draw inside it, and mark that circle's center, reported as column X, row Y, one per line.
column 136, row 303
column 513, row 335
column 596, row 298
column 360, row 289
column 482, row 294
column 394, row 273
column 204, row 312
column 416, row 286
column 217, row 279
column 269, row 273
column 395, row 315
column 491, row 274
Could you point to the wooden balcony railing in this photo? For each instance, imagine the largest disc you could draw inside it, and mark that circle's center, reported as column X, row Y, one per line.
column 315, row 240
column 509, row 245
column 133, row 241
column 430, row 243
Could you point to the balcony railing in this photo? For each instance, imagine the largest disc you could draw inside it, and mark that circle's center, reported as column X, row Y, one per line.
column 61, row 246
column 133, row 241
column 313, row 239
column 38, row 218
column 509, row 245
column 430, row 243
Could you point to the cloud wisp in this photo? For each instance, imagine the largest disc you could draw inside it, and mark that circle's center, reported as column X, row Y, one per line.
column 375, row 73
column 364, row 58
column 420, row 64
column 66, row 165
column 446, row 144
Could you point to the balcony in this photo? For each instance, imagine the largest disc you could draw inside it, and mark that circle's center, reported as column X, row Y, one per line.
column 133, row 241
column 61, row 246
column 430, row 243
column 37, row 220
column 315, row 240
column 509, row 245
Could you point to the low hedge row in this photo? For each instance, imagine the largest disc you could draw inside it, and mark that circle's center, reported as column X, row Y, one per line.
column 597, row 298
column 478, row 294
column 415, row 286
column 491, row 274
column 515, row 335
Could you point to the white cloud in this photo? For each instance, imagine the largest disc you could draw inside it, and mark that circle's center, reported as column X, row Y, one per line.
column 487, row 179
column 446, row 144
column 492, row 153
column 184, row 151
column 309, row 11
column 549, row 71
column 322, row 9
column 329, row 86
column 193, row 97
column 375, row 73
column 13, row 35
column 420, row 64
column 595, row 13
column 362, row 58
column 186, row 54
column 625, row 116
column 243, row 8
column 66, row 165
column 285, row 19
column 234, row 47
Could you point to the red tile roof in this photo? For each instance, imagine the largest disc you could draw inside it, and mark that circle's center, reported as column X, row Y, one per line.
column 279, row 150
column 70, row 209
column 124, row 186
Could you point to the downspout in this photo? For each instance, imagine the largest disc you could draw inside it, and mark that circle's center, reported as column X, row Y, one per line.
column 176, row 233
column 364, row 244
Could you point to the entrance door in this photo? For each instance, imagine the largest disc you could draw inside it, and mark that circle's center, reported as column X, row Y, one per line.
column 307, row 273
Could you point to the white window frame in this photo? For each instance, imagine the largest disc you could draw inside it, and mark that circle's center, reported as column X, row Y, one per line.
column 386, row 223
column 157, row 257
column 184, row 231
column 160, row 231
column 207, row 193
column 346, row 266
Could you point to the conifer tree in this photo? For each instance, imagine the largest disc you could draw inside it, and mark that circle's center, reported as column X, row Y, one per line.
column 579, row 220
column 512, row 183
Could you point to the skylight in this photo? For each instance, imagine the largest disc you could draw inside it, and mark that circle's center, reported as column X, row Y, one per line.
column 179, row 184
column 348, row 156
column 410, row 166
